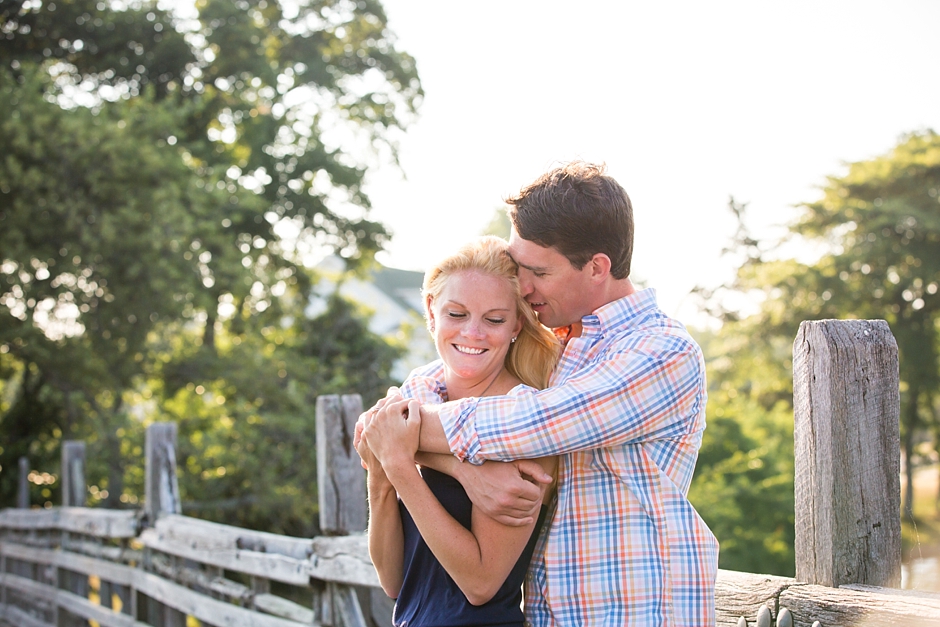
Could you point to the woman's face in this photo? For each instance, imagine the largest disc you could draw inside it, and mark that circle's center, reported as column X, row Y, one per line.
column 474, row 319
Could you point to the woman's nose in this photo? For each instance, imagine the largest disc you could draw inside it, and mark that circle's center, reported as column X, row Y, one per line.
column 474, row 329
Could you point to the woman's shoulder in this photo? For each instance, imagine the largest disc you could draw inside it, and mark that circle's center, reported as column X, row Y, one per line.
column 426, row 383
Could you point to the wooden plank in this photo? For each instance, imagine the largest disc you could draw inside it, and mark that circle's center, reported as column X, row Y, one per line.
column 343, row 559
column 35, row 555
column 218, row 545
column 114, row 573
column 22, row 490
column 205, row 608
column 83, row 565
column 123, row 554
column 278, row 606
column 79, row 606
column 29, row 519
column 101, row 523
column 37, row 592
column 847, row 453
column 218, row 536
column 169, row 567
column 72, row 474
column 341, row 479
column 18, row 617
column 833, row 607
column 161, row 485
column 743, row 594
column 346, row 610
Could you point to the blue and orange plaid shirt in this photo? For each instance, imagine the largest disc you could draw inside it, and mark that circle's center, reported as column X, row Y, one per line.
column 625, row 414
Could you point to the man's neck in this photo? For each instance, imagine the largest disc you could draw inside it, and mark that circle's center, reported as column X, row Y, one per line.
column 615, row 290
column 619, row 289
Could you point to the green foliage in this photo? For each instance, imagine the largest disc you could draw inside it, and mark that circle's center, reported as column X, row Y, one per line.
column 159, row 179
column 247, row 437
column 499, row 225
column 743, row 484
column 878, row 232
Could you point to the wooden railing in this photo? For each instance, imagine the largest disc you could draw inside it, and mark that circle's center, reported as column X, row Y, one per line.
column 70, row 565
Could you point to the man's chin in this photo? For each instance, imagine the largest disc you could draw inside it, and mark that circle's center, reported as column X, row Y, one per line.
column 544, row 319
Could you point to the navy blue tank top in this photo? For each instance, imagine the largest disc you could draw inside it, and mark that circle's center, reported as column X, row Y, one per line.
column 428, row 596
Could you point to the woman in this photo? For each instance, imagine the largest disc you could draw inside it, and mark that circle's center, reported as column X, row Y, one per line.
column 445, row 562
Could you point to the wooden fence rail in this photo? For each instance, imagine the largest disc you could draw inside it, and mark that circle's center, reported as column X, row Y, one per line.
column 70, row 565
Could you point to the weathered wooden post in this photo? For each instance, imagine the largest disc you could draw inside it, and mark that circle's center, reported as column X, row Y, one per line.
column 341, row 483
column 846, row 406
column 161, row 485
column 340, row 476
column 22, row 492
column 161, row 496
column 73, row 473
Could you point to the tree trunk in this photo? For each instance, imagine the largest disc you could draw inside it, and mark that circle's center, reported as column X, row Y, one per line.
column 115, row 463
column 910, row 426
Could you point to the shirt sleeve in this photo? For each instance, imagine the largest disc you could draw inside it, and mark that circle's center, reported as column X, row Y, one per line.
column 653, row 390
column 426, row 384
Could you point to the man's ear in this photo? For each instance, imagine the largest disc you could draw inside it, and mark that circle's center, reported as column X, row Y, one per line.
column 600, row 267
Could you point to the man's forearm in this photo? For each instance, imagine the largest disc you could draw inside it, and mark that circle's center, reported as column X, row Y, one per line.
column 433, row 439
column 441, row 462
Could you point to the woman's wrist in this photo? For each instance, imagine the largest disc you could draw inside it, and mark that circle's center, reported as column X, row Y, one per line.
column 400, row 469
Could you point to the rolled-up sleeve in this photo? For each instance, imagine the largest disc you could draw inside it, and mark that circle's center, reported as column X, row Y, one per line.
column 645, row 392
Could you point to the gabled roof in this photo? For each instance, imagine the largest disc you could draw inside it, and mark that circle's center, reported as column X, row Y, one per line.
column 402, row 286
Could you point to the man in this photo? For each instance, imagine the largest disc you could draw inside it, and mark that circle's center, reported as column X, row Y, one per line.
column 625, row 412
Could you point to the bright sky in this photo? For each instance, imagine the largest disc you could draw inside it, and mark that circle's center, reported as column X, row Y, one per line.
column 687, row 102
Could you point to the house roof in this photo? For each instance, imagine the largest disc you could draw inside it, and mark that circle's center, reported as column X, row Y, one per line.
column 402, row 286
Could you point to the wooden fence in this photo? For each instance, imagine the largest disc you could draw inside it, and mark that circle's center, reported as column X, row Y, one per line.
column 72, row 565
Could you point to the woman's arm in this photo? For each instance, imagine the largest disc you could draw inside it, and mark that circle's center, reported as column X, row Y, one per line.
column 478, row 559
column 386, row 539
column 509, row 492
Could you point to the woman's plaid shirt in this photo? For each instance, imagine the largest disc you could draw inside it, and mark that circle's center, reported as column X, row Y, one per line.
column 625, row 412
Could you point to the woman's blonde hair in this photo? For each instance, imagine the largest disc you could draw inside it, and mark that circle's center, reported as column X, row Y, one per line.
column 532, row 356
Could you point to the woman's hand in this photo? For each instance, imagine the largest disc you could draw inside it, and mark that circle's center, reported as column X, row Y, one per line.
column 369, row 461
column 391, row 435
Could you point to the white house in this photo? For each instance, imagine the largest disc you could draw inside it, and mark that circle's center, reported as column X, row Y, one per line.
column 393, row 297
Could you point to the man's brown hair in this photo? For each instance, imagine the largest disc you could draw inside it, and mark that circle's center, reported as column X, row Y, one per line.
column 580, row 211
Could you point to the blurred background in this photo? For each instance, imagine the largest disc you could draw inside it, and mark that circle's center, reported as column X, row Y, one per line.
column 212, row 212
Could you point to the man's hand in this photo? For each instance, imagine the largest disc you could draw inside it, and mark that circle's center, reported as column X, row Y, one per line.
column 508, row 492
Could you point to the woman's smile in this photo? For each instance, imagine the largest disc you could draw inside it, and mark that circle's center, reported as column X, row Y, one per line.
column 469, row 350
column 475, row 319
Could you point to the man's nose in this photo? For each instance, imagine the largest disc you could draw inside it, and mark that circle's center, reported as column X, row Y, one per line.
column 525, row 282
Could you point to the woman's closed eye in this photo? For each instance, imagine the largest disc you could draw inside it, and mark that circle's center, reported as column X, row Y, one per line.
column 496, row 320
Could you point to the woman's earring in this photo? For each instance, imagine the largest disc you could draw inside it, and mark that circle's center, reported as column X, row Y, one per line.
column 432, row 326
column 512, row 340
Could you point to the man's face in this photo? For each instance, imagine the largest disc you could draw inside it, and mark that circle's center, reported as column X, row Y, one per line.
column 557, row 292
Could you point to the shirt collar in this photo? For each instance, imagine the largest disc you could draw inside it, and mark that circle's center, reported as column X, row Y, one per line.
column 621, row 312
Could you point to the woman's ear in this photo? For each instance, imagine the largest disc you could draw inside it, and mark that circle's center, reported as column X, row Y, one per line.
column 430, row 311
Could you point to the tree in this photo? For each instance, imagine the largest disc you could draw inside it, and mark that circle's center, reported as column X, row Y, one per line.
column 743, row 483
column 878, row 230
column 158, row 171
column 882, row 221
column 94, row 208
